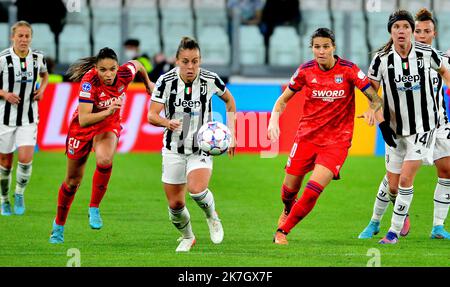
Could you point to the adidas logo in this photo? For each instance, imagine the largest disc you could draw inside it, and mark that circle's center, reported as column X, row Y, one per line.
column 203, row 160
column 10, row 65
column 391, row 66
column 314, row 81
column 418, row 151
column 174, row 91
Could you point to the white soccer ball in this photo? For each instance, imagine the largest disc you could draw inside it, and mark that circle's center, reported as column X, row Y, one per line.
column 214, row 138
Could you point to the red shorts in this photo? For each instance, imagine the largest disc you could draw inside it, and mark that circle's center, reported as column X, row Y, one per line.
column 77, row 146
column 304, row 156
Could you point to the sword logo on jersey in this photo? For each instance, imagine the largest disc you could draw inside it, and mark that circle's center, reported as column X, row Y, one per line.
column 328, row 95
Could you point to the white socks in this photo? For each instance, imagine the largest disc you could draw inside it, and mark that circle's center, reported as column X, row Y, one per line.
column 23, row 175
column 182, row 221
column 205, row 200
column 381, row 201
column 441, row 201
column 5, row 182
column 401, row 207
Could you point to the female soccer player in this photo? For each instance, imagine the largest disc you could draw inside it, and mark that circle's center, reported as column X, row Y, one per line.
column 325, row 131
column 95, row 124
column 185, row 94
column 20, row 67
column 425, row 32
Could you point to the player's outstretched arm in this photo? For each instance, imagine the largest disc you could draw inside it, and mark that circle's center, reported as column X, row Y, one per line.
column 230, row 104
column 149, row 85
column 280, row 105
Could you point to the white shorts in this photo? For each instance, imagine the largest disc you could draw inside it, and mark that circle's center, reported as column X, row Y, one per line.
column 414, row 147
column 176, row 167
column 13, row 137
column 442, row 145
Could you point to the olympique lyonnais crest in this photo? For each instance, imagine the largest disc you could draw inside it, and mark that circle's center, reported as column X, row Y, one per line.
column 339, row 79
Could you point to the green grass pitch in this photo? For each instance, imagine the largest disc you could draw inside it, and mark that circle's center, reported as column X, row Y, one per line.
column 137, row 231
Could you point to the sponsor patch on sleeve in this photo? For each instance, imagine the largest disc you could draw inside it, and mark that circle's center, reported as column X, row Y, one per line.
column 361, row 75
column 85, row 95
column 132, row 68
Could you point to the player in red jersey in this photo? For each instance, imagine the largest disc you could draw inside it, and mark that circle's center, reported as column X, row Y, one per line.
column 325, row 130
column 95, row 125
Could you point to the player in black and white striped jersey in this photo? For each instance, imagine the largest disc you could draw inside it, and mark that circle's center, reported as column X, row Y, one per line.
column 20, row 67
column 402, row 67
column 185, row 94
column 425, row 32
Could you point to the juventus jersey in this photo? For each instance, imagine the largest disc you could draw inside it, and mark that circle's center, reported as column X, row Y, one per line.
column 409, row 101
column 189, row 103
column 18, row 76
column 439, row 91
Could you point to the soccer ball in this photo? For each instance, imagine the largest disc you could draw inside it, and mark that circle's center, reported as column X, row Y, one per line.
column 214, row 138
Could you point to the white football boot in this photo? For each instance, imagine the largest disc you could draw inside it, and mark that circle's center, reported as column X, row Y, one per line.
column 215, row 228
column 185, row 244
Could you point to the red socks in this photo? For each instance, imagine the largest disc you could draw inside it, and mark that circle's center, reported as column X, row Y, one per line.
column 303, row 206
column 100, row 184
column 288, row 196
column 65, row 198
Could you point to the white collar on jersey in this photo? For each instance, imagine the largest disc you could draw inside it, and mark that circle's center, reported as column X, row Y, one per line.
column 11, row 49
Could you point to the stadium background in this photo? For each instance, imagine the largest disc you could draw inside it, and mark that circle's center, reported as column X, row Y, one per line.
column 247, row 187
column 255, row 73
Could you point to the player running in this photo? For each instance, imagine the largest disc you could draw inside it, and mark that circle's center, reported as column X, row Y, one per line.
column 424, row 32
column 325, row 130
column 185, row 93
column 95, row 125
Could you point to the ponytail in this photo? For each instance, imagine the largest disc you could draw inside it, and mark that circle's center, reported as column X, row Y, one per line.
column 77, row 70
column 385, row 49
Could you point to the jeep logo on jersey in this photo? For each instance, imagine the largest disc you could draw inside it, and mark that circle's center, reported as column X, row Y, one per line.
column 407, row 78
column 327, row 95
column 187, row 104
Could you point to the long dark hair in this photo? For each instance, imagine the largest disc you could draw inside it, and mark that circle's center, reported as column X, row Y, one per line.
column 77, row 70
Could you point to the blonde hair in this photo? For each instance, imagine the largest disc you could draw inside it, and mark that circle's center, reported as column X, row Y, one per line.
column 21, row 23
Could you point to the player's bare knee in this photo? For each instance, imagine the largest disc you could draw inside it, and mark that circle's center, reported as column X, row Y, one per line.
column 176, row 204
column 406, row 181
column 195, row 188
column 104, row 161
column 444, row 173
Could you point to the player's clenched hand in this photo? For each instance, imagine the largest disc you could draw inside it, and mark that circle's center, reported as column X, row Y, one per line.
column 12, row 98
column 368, row 116
column 174, row 125
column 115, row 105
column 273, row 131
